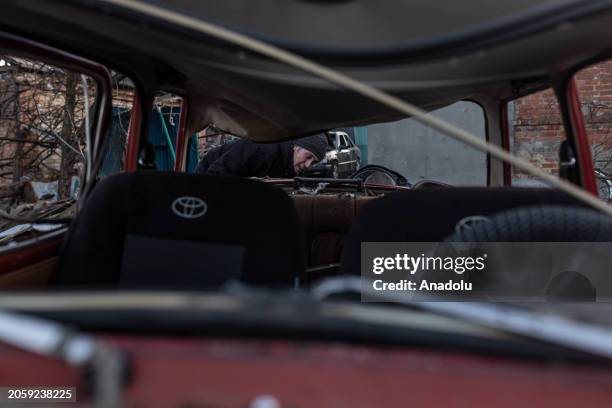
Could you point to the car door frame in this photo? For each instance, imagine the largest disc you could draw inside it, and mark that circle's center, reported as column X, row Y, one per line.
column 32, row 251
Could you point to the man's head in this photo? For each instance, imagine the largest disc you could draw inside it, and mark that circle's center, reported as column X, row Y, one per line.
column 307, row 151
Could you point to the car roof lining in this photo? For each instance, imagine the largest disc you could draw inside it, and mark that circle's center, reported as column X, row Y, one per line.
column 411, row 30
column 268, row 101
column 513, row 20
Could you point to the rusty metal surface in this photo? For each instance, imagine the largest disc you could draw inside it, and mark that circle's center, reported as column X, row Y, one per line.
column 44, row 249
column 223, row 373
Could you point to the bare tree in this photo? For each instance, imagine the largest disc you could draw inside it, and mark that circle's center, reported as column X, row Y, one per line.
column 41, row 122
column 598, row 122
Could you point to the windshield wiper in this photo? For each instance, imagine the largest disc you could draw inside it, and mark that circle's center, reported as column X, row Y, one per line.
column 553, row 329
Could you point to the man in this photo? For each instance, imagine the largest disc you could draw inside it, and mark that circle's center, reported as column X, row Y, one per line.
column 246, row 158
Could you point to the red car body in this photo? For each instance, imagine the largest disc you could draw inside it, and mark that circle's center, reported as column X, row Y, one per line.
column 204, row 369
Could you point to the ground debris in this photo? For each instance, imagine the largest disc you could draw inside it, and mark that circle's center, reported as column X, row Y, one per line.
column 22, row 220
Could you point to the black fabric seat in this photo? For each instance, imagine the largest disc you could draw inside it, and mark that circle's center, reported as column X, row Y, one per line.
column 431, row 215
column 158, row 229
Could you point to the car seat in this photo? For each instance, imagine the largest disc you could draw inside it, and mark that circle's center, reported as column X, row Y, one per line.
column 164, row 229
column 430, row 215
column 564, row 271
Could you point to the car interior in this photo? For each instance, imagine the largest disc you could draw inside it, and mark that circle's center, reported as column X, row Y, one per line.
column 128, row 232
column 128, row 279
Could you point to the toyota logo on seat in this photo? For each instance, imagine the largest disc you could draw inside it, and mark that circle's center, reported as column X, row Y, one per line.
column 189, row 207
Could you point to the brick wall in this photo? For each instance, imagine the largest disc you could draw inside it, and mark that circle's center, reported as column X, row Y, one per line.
column 595, row 89
column 536, row 125
column 537, row 131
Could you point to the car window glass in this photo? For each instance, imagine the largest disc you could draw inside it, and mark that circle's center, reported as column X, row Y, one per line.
column 535, row 131
column 419, row 152
column 331, row 140
column 343, row 143
column 595, row 91
column 205, row 140
column 42, row 140
column 163, row 131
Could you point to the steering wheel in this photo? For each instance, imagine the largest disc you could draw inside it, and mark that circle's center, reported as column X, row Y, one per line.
column 376, row 174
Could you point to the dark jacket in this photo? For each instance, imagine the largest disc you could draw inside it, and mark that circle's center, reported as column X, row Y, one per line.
column 249, row 159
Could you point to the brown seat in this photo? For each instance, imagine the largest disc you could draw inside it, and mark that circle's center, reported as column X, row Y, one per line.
column 326, row 219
